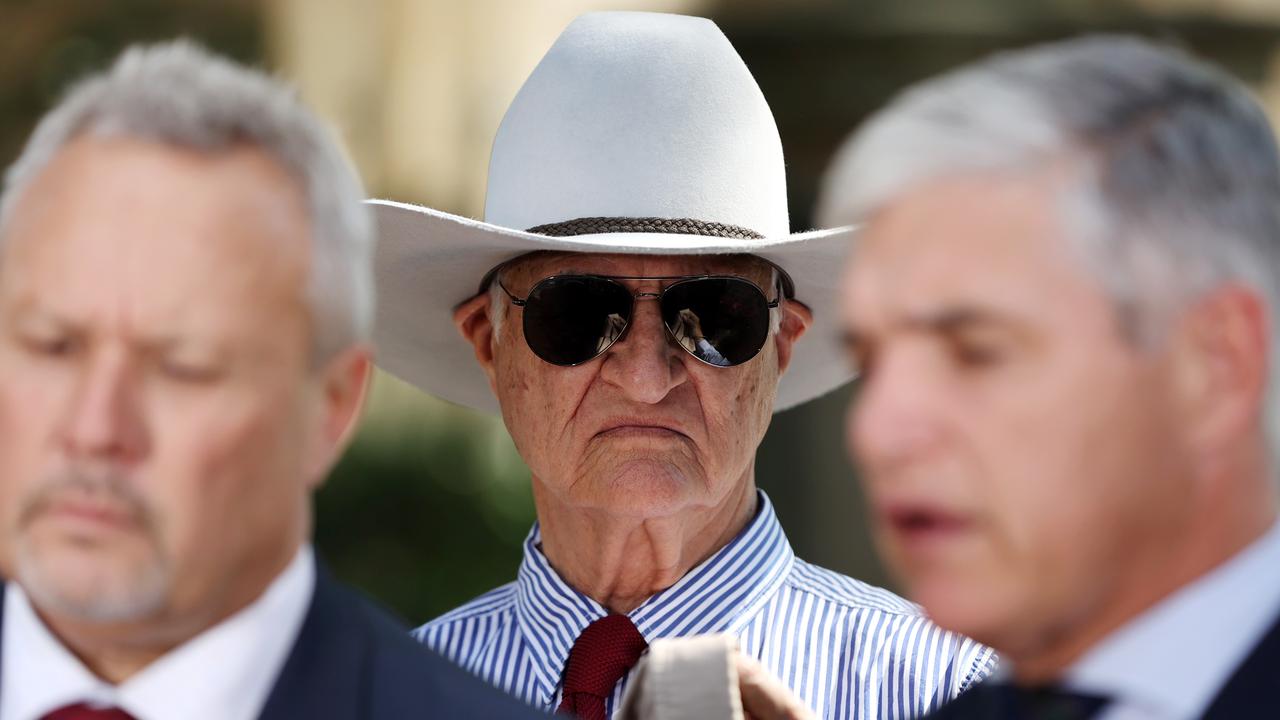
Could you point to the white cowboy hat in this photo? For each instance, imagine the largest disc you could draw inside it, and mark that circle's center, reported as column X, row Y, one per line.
column 637, row 133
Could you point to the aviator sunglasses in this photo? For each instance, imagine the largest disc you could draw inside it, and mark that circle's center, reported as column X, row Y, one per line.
column 722, row 320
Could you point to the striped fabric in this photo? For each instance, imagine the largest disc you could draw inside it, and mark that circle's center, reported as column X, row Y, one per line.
column 848, row 649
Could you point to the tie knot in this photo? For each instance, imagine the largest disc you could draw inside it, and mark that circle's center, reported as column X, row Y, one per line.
column 602, row 654
column 84, row 711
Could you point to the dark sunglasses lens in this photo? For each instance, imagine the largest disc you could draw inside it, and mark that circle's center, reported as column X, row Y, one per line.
column 569, row 320
column 720, row 321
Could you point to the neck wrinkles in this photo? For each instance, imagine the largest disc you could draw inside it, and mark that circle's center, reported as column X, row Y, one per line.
column 620, row 562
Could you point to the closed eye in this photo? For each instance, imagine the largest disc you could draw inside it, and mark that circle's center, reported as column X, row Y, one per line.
column 187, row 372
column 52, row 347
column 975, row 354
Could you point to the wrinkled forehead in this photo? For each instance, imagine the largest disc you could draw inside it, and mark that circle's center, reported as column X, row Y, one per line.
column 535, row 266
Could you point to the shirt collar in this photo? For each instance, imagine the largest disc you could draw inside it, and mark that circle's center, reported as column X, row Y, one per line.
column 226, row 671
column 1174, row 658
column 721, row 594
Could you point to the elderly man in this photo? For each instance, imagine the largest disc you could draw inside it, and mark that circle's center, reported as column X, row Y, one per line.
column 185, row 293
column 639, row 300
column 1064, row 309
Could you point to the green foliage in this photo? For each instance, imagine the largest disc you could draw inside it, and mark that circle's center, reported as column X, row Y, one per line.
column 426, row 510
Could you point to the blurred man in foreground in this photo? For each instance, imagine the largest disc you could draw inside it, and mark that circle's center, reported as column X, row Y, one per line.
column 1063, row 307
column 636, row 306
column 185, row 301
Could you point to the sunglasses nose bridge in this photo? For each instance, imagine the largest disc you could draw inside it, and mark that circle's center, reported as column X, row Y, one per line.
column 671, row 335
column 643, row 357
column 636, row 298
column 637, row 307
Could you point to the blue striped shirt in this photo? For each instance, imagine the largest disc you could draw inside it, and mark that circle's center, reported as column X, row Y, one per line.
column 848, row 649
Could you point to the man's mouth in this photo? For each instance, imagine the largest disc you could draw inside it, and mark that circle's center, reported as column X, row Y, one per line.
column 917, row 524
column 88, row 515
column 639, row 428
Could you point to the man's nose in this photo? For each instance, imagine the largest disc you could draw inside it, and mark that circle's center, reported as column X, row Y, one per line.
column 644, row 363
column 894, row 416
column 104, row 416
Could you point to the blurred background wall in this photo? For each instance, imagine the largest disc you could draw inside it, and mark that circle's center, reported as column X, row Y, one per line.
column 431, row 503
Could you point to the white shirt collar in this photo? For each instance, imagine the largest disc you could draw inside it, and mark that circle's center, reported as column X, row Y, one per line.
column 224, row 673
column 1171, row 661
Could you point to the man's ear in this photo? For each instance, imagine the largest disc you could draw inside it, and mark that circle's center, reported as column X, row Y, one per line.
column 473, row 322
column 344, row 387
column 1223, row 348
column 796, row 319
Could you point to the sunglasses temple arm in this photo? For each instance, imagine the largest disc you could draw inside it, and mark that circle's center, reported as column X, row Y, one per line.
column 517, row 301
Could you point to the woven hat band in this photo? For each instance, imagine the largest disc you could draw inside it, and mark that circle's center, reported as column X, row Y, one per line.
column 669, row 226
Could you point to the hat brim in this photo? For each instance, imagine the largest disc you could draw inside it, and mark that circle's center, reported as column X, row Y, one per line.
column 428, row 262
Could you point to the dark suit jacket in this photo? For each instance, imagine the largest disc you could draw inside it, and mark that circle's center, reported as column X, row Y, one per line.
column 1252, row 691
column 352, row 661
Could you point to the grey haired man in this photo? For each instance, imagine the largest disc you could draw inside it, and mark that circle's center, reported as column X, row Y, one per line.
column 1064, row 308
column 185, row 302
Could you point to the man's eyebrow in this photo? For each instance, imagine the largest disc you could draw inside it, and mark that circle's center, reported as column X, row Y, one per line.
column 956, row 319
column 32, row 311
column 947, row 321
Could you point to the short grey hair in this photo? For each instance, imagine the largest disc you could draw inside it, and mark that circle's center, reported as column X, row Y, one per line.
column 180, row 94
column 1177, row 179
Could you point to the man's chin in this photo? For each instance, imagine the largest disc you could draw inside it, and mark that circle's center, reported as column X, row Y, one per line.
column 643, row 488
column 87, row 587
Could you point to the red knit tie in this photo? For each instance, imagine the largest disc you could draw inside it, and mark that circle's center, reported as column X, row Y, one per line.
column 601, row 655
column 81, row 711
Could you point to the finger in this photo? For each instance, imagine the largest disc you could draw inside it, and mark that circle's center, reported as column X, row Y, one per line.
column 764, row 697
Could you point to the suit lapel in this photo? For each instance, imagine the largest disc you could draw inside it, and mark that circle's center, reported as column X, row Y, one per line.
column 1253, row 685
column 322, row 676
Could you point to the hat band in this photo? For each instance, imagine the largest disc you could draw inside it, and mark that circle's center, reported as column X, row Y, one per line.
column 667, row 226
